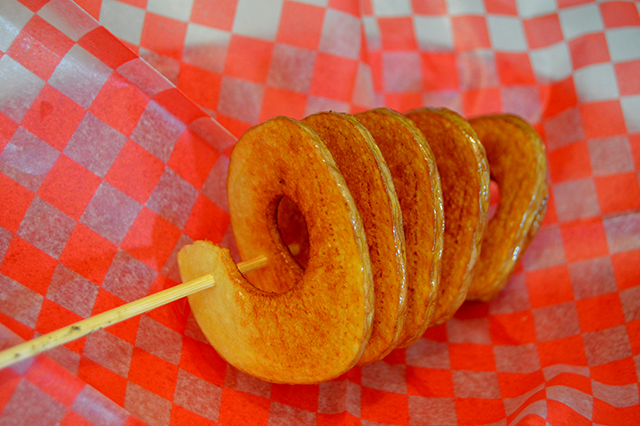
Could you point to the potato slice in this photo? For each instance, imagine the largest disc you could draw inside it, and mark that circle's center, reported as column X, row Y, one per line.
column 290, row 325
column 370, row 183
column 464, row 175
column 415, row 177
column 518, row 165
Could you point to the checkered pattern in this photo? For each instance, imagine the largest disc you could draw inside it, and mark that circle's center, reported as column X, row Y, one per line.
column 110, row 163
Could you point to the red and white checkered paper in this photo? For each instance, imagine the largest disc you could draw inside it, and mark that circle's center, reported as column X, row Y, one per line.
column 117, row 118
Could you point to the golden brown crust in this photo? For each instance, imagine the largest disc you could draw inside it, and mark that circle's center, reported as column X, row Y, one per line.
column 464, row 175
column 289, row 326
column 369, row 181
column 518, row 165
column 417, row 184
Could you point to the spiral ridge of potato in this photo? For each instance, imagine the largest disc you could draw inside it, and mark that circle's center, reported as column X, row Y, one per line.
column 391, row 212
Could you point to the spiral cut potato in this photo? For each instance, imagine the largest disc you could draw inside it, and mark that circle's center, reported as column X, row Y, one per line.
column 391, row 214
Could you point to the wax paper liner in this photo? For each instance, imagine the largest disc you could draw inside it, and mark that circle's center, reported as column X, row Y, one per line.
column 110, row 162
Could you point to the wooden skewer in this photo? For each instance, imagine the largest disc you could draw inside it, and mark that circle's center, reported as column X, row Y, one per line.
column 121, row 313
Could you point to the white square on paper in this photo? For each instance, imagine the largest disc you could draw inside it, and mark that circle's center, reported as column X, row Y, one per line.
column 623, row 43
column 580, row 20
column 631, row 112
column 596, row 83
column 19, row 88
column 176, row 9
column 391, row 7
column 433, row 33
column 465, row 7
column 258, row 19
column 80, row 76
column 552, row 63
column 532, row 9
column 576, row 199
column 341, row 35
column 506, row 34
column 206, row 47
column 372, row 32
column 123, row 20
column 68, row 17
column 13, row 17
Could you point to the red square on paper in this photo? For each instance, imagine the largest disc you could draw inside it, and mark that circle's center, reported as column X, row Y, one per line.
column 88, row 253
column 40, row 47
column 126, row 330
column 243, row 409
column 207, row 221
column 346, row 6
column 604, row 413
column 618, row 193
column 559, row 96
column 104, row 46
column 53, row 117
column 588, row 50
column 236, row 127
column 429, row 382
column 19, row 261
column 179, row 105
column 403, row 101
column 543, row 31
column 202, row 86
column 105, row 381
column 193, row 158
column 514, row 69
column 15, row 199
column 474, row 411
column 584, row 239
column 119, row 104
column 481, row 101
column 324, row 79
column 34, row 5
column 627, row 77
column 503, row 7
column 7, row 128
column 625, row 268
column 153, row 374
column 513, row 385
column 71, row 418
column 384, row 407
column 570, row 162
column 163, row 35
column 472, row 357
column 439, row 71
column 135, row 171
column 598, row 313
column 69, row 186
column 181, row 416
column 300, row 25
column 617, row 14
column 282, row 102
column 248, row 58
column 53, row 316
column 470, row 32
column 601, row 119
column 201, row 360
column 549, row 286
column 304, row 397
column 343, row 419
column 569, row 350
column 512, row 329
column 431, row 7
column 220, row 16
column 560, row 413
column 151, row 239
column 397, row 33
column 616, row 373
